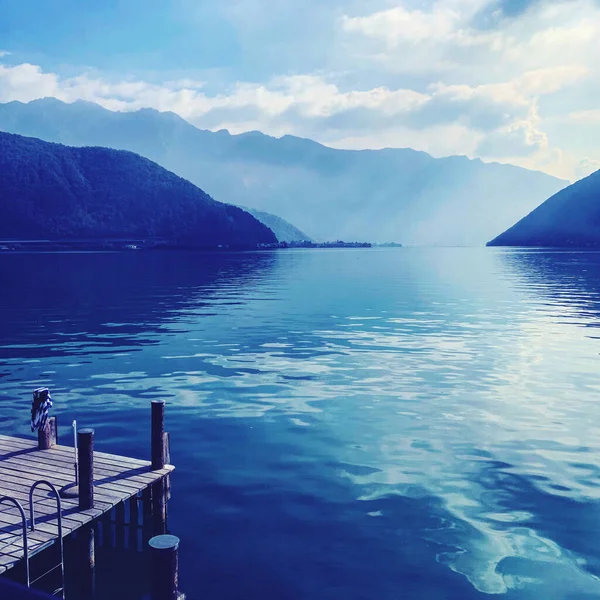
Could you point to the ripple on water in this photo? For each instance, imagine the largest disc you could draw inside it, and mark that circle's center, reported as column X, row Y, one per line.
column 448, row 397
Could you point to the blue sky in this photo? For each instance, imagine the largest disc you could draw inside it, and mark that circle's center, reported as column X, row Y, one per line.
column 509, row 80
column 123, row 37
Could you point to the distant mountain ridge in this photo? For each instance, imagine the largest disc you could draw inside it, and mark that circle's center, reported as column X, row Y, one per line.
column 570, row 218
column 52, row 191
column 374, row 195
column 284, row 231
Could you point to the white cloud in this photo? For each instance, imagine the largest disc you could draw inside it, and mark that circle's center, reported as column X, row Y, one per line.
column 408, row 40
column 550, row 79
column 531, row 59
column 310, row 96
column 26, row 82
column 494, row 121
column 477, row 77
column 586, row 117
column 559, row 32
column 400, row 24
column 586, row 167
column 520, row 138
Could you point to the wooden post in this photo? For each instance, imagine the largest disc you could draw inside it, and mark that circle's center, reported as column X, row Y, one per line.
column 167, row 443
column 133, row 522
column 147, row 524
column 159, row 507
column 165, row 567
column 134, row 511
column 146, row 504
column 85, row 455
column 48, row 436
column 107, row 530
column 90, row 548
column 158, row 434
column 98, row 533
column 167, row 446
column 120, row 525
column 84, row 556
column 89, row 567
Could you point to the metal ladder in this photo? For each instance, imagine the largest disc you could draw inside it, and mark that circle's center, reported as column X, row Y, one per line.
column 61, row 564
column 13, row 501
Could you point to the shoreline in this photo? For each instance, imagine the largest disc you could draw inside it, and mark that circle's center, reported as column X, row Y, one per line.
column 8, row 246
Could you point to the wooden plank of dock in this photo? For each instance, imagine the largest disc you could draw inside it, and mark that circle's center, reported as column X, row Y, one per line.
column 116, row 479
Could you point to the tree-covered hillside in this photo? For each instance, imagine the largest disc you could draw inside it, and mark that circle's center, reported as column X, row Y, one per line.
column 570, row 218
column 53, row 191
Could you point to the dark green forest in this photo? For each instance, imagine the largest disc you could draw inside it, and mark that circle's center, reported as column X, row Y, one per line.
column 570, row 218
column 51, row 191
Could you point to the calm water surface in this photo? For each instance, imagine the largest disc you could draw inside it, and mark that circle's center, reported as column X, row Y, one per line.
column 373, row 424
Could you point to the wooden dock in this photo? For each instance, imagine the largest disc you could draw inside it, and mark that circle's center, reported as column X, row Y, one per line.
column 117, row 480
column 49, row 492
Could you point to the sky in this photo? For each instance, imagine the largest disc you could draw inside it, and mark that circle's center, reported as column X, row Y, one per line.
column 515, row 81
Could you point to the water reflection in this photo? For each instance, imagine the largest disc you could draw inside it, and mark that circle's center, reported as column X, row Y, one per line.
column 74, row 300
column 356, row 424
column 568, row 279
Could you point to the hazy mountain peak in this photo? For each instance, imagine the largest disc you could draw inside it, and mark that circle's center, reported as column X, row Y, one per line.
column 48, row 101
column 373, row 195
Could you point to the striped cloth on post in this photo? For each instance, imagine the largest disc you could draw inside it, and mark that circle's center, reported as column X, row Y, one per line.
column 42, row 403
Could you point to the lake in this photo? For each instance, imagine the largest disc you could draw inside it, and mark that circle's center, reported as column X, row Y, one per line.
column 358, row 424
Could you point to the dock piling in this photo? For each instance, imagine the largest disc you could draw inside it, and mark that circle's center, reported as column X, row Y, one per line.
column 85, row 455
column 158, row 434
column 48, row 435
column 133, row 522
column 165, row 567
column 146, row 505
column 159, row 506
column 120, row 525
column 87, row 570
column 167, row 454
column 134, row 511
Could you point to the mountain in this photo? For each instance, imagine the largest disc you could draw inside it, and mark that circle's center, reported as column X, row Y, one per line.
column 569, row 218
column 374, row 195
column 52, row 191
column 284, row 231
